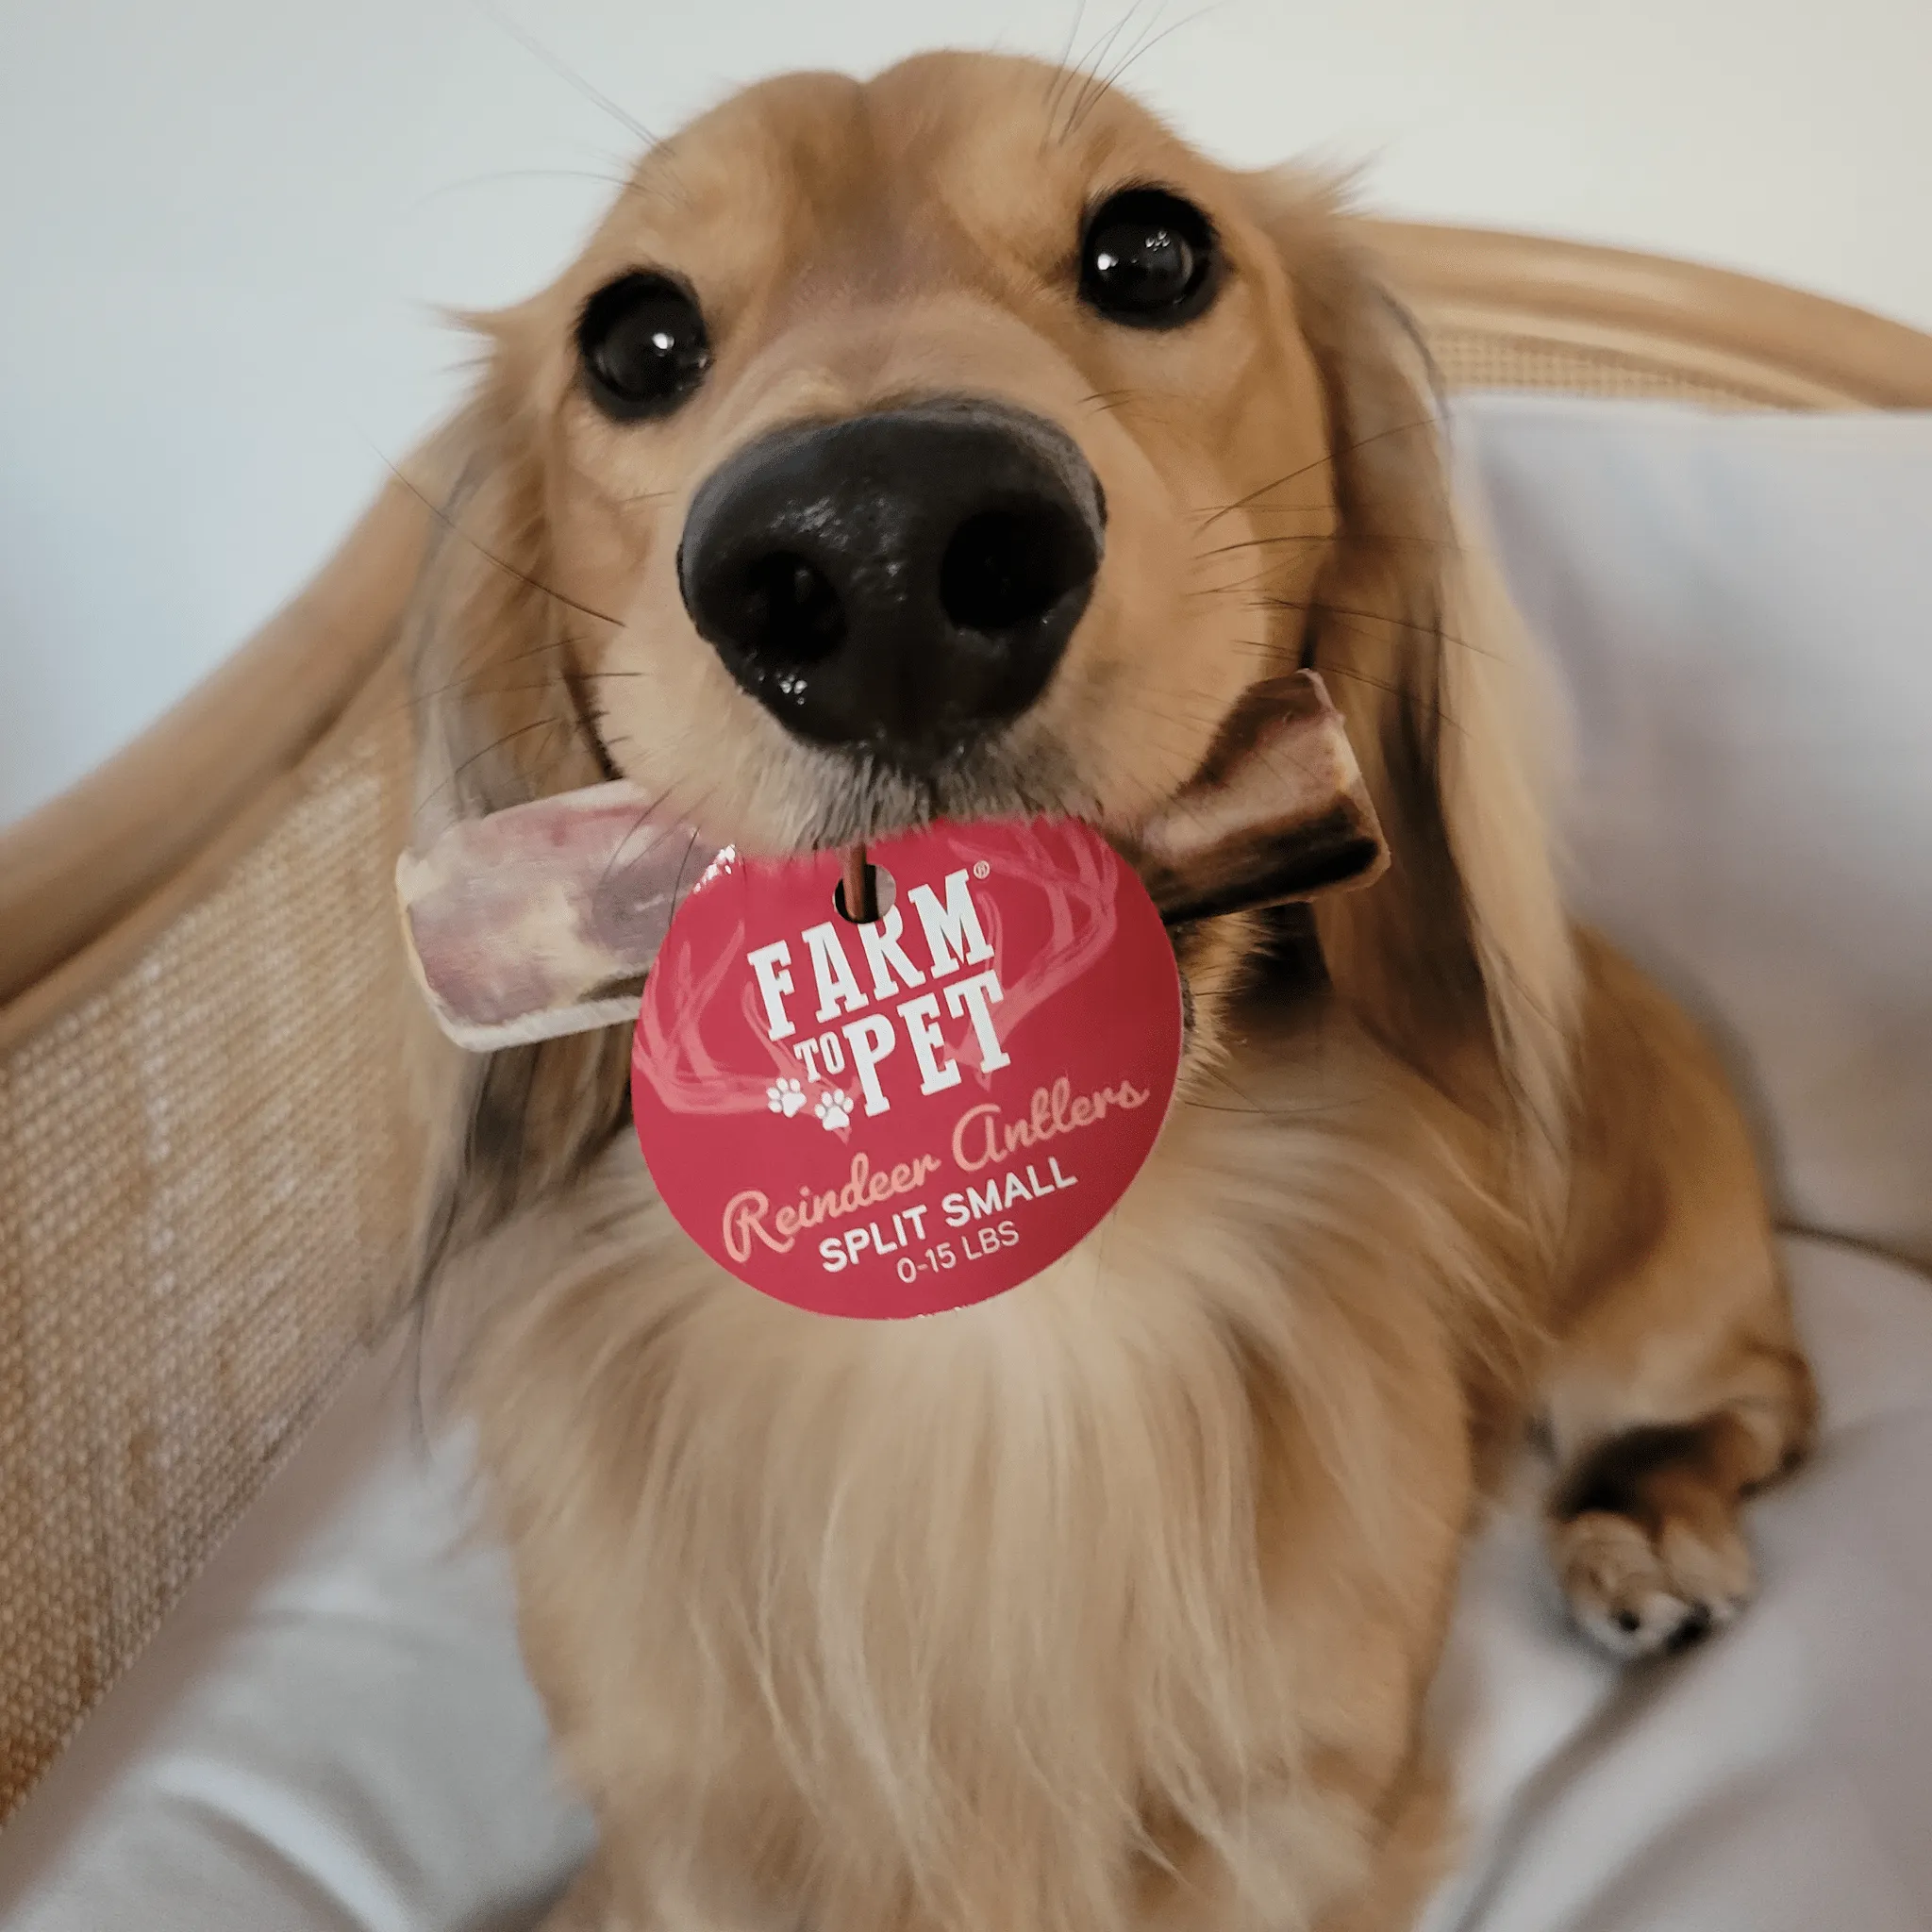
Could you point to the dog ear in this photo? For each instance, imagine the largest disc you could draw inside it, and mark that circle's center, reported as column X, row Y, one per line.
column 1278, row 812
column 1464, row 943
column 502, row 717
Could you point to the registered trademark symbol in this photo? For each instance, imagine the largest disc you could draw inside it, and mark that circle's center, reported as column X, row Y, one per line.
column 980, row 868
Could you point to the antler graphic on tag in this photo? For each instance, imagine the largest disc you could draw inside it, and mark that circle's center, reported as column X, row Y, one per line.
column 1082, row 906
column 688, row 1077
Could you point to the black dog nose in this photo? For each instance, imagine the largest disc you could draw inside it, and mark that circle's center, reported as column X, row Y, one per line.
column 900, row 580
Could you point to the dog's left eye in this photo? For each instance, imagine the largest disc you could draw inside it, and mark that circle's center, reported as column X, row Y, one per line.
column 1148, row 259
column 642, row 345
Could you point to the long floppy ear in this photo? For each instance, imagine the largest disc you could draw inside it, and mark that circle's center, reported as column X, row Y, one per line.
column 505, row 713
column 1463, row 945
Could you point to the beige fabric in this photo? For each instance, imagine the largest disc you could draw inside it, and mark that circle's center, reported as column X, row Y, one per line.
column 204, row 1208
column 206, row 1186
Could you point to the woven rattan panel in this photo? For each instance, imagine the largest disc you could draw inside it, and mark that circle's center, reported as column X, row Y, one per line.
column 204, row 1213
column 1481, row 358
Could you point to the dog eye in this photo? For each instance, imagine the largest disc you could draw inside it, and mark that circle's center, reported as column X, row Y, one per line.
column 642, row 345
column 1148, row 259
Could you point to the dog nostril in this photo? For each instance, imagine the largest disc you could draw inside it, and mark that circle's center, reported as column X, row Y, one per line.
column 787, row 611
column 901, row 579
column 1005, row 567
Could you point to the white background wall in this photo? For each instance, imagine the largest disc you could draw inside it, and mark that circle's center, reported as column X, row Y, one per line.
column 224, row 225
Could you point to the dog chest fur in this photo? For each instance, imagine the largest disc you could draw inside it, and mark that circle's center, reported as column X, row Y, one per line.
column 1000, row 1617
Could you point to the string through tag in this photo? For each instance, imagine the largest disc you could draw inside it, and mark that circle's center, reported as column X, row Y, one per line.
column 858, row 895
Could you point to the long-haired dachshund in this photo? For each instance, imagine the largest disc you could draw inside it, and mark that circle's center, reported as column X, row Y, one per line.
column 1111, row 1601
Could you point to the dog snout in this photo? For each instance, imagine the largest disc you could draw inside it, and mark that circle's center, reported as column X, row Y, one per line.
column 902, row 580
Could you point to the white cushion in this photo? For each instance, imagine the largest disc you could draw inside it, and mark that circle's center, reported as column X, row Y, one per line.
column 1773, row 1780
column 1741, row 607
column 333, row 1734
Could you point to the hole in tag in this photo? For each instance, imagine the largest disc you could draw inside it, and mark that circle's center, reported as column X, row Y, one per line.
column 884, row 889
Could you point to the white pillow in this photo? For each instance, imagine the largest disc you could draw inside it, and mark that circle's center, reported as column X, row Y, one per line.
column 333, row 1734
column 1742, row 609
column 1775, row 1779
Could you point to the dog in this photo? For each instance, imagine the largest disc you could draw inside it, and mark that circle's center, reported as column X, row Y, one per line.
column 1111, row 1601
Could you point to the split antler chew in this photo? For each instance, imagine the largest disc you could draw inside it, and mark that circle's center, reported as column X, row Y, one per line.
column 543, row 918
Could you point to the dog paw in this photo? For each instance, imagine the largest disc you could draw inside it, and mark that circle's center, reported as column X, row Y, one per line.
column 785, row 1096
column 1645, row 1539
column 834, row 1111
column 1637, row 1591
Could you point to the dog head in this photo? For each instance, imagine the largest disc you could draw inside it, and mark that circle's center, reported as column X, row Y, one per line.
column 960, row 443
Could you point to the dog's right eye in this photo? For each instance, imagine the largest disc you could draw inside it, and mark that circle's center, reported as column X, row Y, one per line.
column 642, row 346
column 1148, row 259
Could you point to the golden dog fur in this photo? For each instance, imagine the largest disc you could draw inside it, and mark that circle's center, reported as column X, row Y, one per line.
column 1111, row 1603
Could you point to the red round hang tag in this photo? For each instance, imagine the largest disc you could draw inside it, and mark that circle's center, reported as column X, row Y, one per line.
column 911, row 1115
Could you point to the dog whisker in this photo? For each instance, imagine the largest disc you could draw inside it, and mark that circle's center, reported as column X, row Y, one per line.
column 1086, row 69
column 622, row 183
column 643, row 818
column 1062, row 76
column 490, row 690
column 1101, row 401
column 1324, row 608
column 1326, row 460
column 508, row 569
column 1349, row 674
column 1356, row 533
column 470, row 680
column 551, row 725
column 1260, row 544
column 567, row 74
column 1145, row 45
column 616, row 499
column 1319, row 608
column 1232, row 590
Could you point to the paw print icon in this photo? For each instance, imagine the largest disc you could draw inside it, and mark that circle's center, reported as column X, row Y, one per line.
column 785, row 1096
column 833, row 1110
